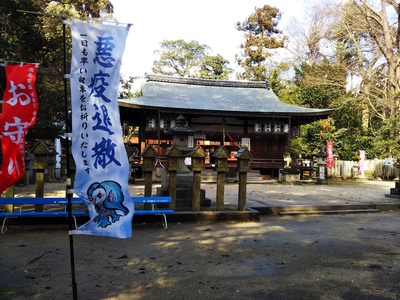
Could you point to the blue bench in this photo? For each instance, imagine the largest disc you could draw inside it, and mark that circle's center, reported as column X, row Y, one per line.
column 20, row 213
column 154, row 200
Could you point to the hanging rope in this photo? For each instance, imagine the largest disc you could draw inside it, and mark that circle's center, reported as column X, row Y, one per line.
column 232, row 142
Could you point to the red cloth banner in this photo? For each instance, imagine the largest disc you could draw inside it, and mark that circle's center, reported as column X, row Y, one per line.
column 19, row 111
column 329, row 154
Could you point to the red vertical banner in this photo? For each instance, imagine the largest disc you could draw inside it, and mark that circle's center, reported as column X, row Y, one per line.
column 19, row 109
column 329, row 154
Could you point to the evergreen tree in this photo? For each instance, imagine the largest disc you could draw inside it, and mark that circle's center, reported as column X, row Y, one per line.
column 261, row 37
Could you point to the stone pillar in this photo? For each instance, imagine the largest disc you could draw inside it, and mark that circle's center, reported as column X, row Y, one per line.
column 221, row 164
column 149, row 160
column 51, row 163
column 198, row 155
column 63, row 162
column 9, row 193
column 40, row 164
column 27, row 159
column 173, row 156
column 172, row 183
column 244, row 157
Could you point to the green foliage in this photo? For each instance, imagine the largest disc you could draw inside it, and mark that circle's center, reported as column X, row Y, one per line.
column 274, row 82
column 299, row 147
column 189, row 59
column 261, row 35
column 385, row 138
column 37, row 37
column 126, row 88
column 366, row 45
column 178, row 57
column 215, row 67
column 320, row 84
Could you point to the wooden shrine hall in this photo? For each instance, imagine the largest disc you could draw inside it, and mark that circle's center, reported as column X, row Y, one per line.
column 218, row 112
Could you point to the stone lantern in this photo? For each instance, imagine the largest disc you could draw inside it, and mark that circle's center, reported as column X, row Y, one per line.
column 41, row 153
column 221, row 156
column 181, row 133
column 198, row 155
column 321, row 166
column 183, row 139
column 149, row 158
column 179, row 173
column 173, row 155
column 244, row 158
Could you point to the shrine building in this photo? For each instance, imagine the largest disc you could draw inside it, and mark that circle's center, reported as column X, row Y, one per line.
column 218, row 112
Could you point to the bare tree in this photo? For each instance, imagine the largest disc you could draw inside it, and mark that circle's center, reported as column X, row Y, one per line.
column 370, row 43
column 310, row 36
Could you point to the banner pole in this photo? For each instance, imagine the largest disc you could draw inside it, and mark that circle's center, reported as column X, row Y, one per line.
column 69, row 182
column 67, row 129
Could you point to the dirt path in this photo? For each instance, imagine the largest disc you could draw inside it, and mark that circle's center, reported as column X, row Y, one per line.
column 328, row 257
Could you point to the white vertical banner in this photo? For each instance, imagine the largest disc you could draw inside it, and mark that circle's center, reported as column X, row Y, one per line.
column 102, row 167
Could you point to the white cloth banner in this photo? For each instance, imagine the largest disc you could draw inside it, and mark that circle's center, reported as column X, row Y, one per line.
column 102, row 167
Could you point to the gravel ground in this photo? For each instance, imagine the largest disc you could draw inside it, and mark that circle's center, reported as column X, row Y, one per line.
column 322, row 257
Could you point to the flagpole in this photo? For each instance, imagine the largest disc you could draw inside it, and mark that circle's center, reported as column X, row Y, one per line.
column 68, row 182
column 69, row 191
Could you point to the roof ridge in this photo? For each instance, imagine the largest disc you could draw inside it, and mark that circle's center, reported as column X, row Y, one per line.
column 208, row 82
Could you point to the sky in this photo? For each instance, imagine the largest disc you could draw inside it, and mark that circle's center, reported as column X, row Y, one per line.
column 209, row 22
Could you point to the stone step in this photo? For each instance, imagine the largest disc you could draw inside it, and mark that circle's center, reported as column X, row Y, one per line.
column 395, row 191
column 395, row 196
column 328, row 212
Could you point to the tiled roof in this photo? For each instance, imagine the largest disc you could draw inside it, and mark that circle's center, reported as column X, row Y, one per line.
column 164, row 92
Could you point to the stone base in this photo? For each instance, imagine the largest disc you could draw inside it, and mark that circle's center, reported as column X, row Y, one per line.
column 184, row 197
column 184, row 191
column 289, row 175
